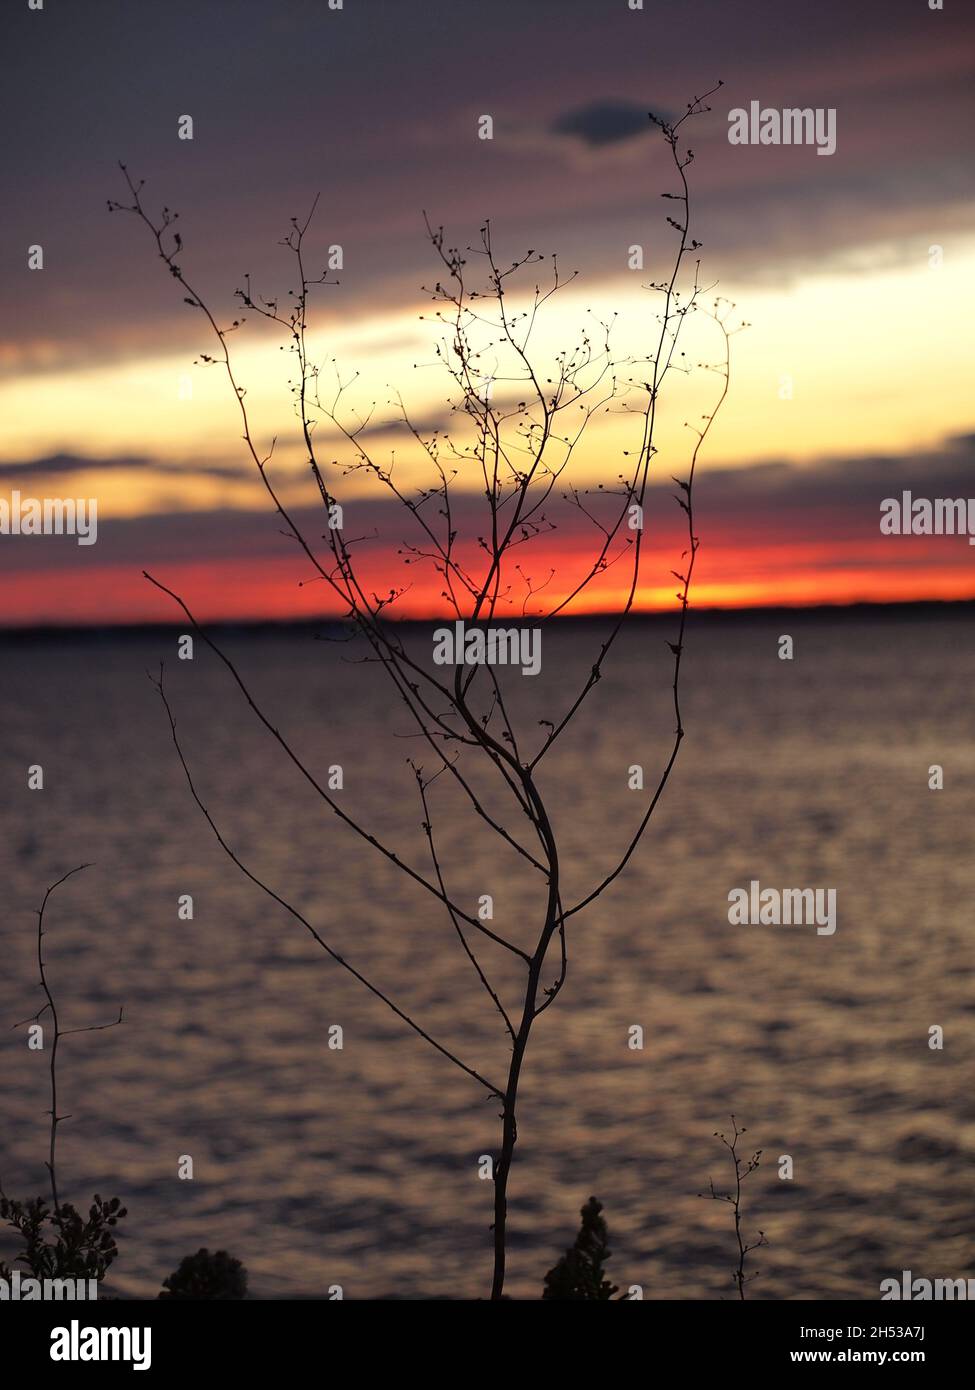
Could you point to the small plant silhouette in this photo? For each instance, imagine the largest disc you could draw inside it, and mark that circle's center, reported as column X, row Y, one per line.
column 59, row 1243
column 76, row 1249
column 579, row 1274
column 743, row 1167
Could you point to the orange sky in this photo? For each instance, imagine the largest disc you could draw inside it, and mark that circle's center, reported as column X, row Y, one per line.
column 769, row 570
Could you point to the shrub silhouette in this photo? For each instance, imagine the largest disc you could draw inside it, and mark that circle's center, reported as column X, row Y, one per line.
column 206, row 1276
column 77, row 1248
column 579, row 1273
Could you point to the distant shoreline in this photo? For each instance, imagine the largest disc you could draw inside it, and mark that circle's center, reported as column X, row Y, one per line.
column 917, row 609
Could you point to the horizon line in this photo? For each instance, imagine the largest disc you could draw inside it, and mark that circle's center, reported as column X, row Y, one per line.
column 903, row 606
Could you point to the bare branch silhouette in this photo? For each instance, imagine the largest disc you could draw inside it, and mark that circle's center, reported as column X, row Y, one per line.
column 743, row 1169
column 58, row 1033
column 519, row 427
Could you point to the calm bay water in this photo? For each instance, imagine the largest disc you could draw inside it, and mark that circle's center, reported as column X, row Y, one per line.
column 359, row 1167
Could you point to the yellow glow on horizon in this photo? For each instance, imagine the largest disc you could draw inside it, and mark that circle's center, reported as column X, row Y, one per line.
column 876, row 362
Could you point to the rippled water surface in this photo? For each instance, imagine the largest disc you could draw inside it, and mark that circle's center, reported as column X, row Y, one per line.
column 359, row 1166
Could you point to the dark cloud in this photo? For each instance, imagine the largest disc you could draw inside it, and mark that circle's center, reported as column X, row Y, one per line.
column 834, row 499
column 604, row 122
column 842, row 483
column 56, row 465
column 122, row 78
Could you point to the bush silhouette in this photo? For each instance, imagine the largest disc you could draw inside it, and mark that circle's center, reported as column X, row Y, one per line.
column 59, row 1243
column 206, row 1276
column 579, row 1273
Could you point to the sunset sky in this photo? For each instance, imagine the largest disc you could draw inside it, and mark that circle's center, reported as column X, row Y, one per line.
column 855, row 271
